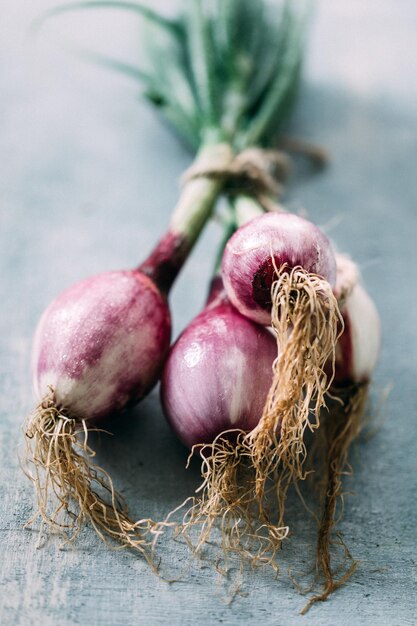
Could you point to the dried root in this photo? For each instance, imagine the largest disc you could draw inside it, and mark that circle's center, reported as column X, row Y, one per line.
column 341, row 427
column 246, row 476
column 307, row 323
column 58, row 460
column 226, row 502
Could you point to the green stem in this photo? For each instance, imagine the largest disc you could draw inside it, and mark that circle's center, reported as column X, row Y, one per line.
column 144, row 11
column 193, row 210
column 281, row 85
column 242, row 209
column 229, row 228
column 245, row 209
column 200, row 193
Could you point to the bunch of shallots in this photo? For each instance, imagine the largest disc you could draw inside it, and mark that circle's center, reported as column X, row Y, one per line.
column 286, row 343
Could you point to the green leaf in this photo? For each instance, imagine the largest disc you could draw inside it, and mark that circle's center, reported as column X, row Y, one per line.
column 200, row 56
column 169, row 71
column 113, row 64
column 222, row 68
column 268, row 55
column 150, row 15
column 283, row 82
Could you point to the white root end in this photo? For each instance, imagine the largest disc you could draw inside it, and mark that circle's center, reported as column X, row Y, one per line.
column 70, row 488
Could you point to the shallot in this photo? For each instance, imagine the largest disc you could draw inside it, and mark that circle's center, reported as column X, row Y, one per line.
column 280, row 269
column 218, row 373
column 213, row 389
column 99, row 347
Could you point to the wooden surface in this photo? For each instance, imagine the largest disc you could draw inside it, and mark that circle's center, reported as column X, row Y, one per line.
column 87, row 179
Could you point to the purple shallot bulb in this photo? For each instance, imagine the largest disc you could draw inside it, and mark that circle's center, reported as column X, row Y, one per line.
column 213, row 389
column 99, row 348
column 100, row 345
column 217, row 375
column 264, row 245
column 279, row 269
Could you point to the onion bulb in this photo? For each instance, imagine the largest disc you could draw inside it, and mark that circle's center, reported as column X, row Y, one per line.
column 259, row 249
column 99, row 348
column 217, row 375
column 280, row 269
column 213, row 389
column 100, row 345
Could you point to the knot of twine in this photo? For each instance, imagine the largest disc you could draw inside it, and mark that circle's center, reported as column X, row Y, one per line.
column 254, row 171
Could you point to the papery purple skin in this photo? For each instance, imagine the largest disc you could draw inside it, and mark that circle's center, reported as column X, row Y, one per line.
column 217, row 375
column 101, row 344
column 272, row 239
column 358, row 348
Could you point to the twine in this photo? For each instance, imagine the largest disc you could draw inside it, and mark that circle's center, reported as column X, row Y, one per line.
column 254, row 171
column 257, row 172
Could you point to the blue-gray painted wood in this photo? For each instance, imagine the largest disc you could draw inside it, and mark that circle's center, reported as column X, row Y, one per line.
column 87, row 180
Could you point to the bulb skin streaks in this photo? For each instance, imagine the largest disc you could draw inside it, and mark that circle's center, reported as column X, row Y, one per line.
column 101, row 344
column 266, row 243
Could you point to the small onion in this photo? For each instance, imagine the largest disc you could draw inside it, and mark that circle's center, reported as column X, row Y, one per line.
column 98, row 347
column 358, row 347
column 100, row 344
column 214, row 388
column 217, row 375
column 280, row 270
column 267, row 243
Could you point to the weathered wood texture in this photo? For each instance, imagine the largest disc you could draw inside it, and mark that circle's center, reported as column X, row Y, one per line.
column 87, row 179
